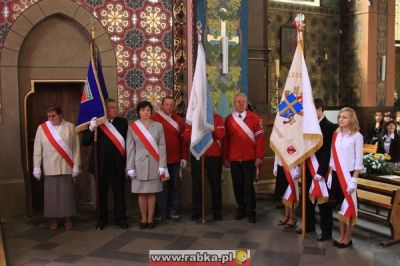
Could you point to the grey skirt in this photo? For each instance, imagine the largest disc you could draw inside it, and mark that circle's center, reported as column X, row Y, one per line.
column 59, row 198
column 146, row 186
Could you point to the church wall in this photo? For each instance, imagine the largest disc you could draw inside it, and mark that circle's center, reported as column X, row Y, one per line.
column 321, row 41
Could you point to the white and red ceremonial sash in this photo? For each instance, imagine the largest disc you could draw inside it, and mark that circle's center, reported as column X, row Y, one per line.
column 171, row 122
column 318, row 189
column 149, row 143
column 240, row 125
column 116, row 138
column 348, row 209
column 58, row 143
column 291, row 196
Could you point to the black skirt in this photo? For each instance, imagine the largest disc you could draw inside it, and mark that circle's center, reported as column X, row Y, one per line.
column 336, row 194
column 281, row 183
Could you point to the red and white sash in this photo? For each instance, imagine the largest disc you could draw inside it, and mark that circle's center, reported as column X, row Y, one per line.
column 149, row 143
column 318, row 189
column 348, row 209
column 240, row 125
column 291, row 196
column 113, row 134
column 58, row 143
column 171, row 122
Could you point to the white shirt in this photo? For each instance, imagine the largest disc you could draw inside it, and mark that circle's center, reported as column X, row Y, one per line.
column 386, row 142
column 242, row 115
column 351, row 148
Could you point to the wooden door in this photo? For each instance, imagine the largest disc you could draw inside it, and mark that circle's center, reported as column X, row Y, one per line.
column 67, row 95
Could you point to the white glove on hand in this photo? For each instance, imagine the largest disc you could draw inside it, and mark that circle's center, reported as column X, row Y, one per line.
column 317, row 177
column 76, row 171
column 131, row 173
column 275, row 170
column 352, row 186
column 161, row 171
column 297, row 173
column 37, row 173
column 93, row 124
column 183, row 163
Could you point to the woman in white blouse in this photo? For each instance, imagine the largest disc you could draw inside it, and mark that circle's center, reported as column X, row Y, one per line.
column 346, row 164
column 390, row 142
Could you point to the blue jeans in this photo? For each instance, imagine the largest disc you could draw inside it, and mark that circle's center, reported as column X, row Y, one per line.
column 168, row 198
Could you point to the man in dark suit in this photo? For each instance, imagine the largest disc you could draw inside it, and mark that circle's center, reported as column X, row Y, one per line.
column 111, row 162
column 323, row 156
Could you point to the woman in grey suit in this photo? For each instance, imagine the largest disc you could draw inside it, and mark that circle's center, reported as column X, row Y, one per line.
column 146, row 161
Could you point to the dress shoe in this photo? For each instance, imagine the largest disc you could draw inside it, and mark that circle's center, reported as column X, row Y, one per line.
column 143, row 225
column 252, row 219
column 195, row 217
column 239, row 216
column 341, row 245
column 151, row 225
column 123, row 225
column 217, row 217
column 336, row 244
column 173, row 217
column 321, row 238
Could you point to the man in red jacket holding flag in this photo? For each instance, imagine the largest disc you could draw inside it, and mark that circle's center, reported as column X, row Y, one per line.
column 173, row 126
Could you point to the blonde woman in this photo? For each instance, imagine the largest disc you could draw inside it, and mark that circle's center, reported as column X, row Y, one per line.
column 346, row 163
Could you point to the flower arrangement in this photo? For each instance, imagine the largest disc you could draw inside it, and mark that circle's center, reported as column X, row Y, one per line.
column 377, row 164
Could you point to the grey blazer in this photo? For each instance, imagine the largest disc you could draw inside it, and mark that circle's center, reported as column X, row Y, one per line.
column 138, row 157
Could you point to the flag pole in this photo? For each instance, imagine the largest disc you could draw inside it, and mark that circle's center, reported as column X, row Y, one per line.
column 203, row 209
column 95, row 155
column 303, row 199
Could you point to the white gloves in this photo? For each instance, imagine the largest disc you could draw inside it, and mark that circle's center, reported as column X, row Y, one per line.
column 131, row 173
column 37, row 173
column 352, row 186
column 275, row 170
column 161, row 171
column 93, row 124
column 297, row 173
column 76, row 171
column 317, row 177
column 183, row 163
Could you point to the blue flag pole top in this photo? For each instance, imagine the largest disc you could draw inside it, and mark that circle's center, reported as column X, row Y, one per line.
column 94, row 92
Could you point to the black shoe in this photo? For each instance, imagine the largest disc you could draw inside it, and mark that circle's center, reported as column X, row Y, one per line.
column 336, row 244
column 217, row 217
column 151, row 225
column 100, row 226
column 341, row 245
column 321, row 238
column 123, row 225
column 239, row 216
column 195, row 217
column 252, row 219
column 143, row 225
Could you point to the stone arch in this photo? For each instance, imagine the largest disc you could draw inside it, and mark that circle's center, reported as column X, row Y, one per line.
column 18, row 179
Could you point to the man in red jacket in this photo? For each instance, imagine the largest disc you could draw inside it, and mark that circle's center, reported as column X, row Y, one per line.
column 173, row 126
column 243, row 152
column 213, row 164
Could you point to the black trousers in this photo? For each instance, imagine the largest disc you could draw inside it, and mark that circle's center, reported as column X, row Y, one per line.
column 243, row 174
column 213, row 166
column 325, row 212
column 116, row 175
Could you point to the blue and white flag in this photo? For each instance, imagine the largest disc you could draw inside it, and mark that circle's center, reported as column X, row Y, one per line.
column 93, row 95
column 200, row 109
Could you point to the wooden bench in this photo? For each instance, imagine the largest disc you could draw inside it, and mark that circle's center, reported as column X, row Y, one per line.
column 382, row 196
column 369, row 148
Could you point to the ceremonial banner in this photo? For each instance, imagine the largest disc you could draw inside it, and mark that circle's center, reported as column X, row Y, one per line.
column 200, row 111
column 296, row 133
column 93, row 95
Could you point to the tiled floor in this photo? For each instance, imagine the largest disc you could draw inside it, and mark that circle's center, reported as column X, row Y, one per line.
column 29, row 242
